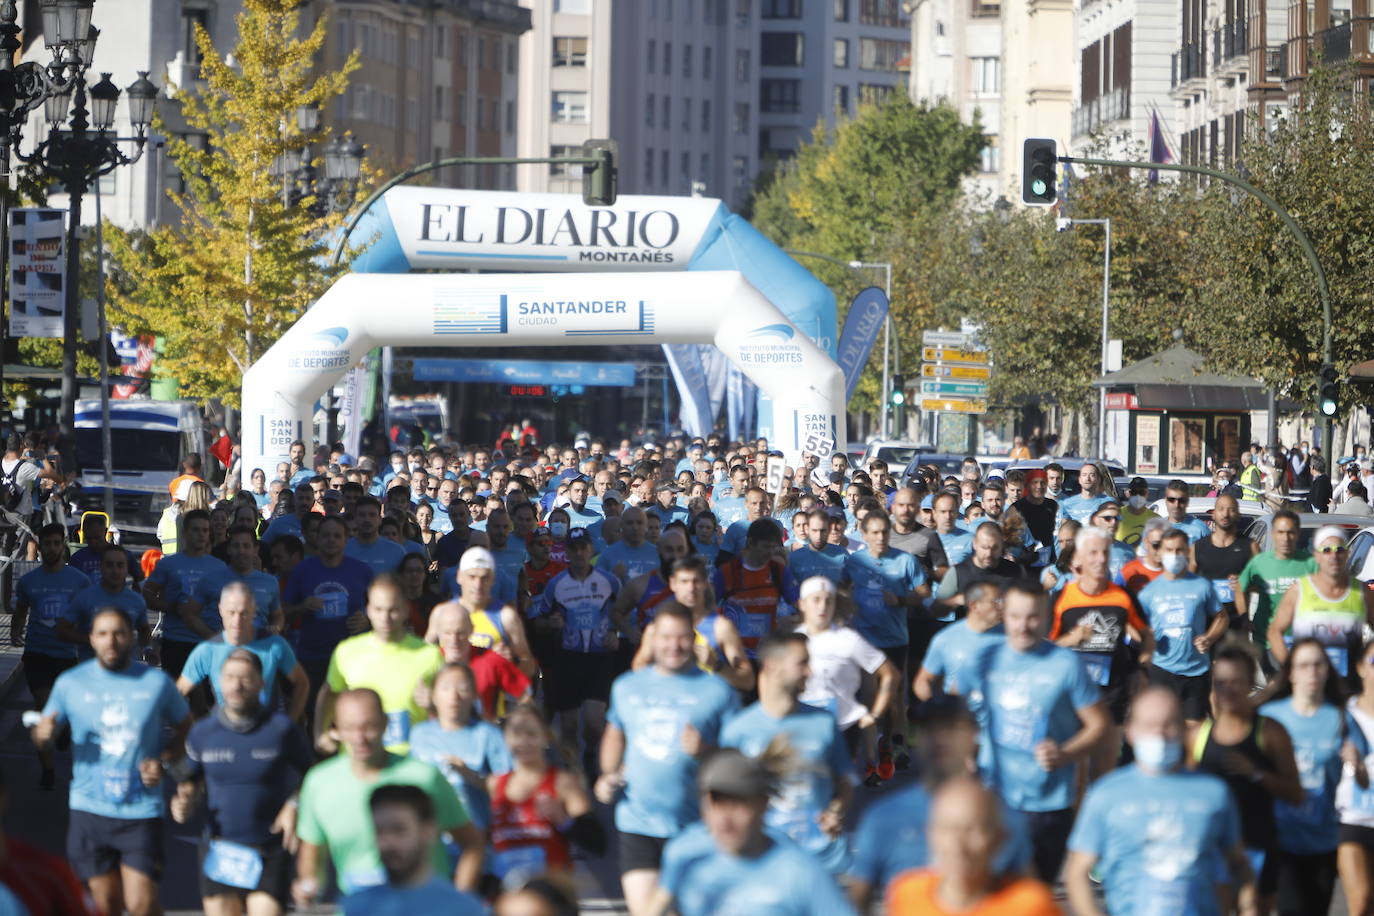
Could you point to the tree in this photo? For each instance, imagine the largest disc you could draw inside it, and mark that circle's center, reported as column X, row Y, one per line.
column 241, row 266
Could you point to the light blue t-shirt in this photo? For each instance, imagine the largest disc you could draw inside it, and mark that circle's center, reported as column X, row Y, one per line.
column 637, row 560
column 1314, row 826
column 1195, row 528
column 117, row 720
column 510, row 563
column 1158, row 839
column 49, row 598
column 585, row 517
column 266, row 594
column 179, row 574
column 738, row 532
column 782, row 881
column 434, row 896
column 1020, row 699
column 1179, row 611
column 1079, row 507
column 94, row 598
column 806, row 561
column 281, row 526
column 708, row 552
column 728, row 510
column 823, row 760
column 957, row 545
column 652, row 709
column 896, row 571
column 207, row 658
column 953, row 648
column 480, row 745
column 383, row 556
column 891, row 838
column 1118, row 555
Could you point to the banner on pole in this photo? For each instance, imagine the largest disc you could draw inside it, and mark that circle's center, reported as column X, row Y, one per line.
column 867, row 313
column 38, row 271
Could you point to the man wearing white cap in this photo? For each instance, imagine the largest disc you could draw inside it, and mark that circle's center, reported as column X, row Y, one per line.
column 1326, row 605
column 495, row 624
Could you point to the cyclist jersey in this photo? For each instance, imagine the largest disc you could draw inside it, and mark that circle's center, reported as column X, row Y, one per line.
column 754, row 598
column 521, row 838
column 585, row 606
column 1220, row 563
column 1104, row 651
column 705, row 634
column 1338, row 623
column 537, row 577
column 656, row 591
column 488, row 631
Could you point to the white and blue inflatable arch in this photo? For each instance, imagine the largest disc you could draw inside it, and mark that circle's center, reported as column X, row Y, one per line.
column 731, row 309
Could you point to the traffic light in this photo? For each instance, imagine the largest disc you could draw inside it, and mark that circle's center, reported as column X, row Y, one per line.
column 599, row 180
column 1328, row 391
column 897, row 396
column 1039, row 171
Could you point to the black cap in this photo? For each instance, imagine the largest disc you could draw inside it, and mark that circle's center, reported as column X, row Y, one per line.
column 764, row 529
column 579, row 536
column 1138, row 485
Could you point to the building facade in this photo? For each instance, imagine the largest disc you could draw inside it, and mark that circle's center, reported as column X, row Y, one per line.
column 1124, row 53
column 1038, row 71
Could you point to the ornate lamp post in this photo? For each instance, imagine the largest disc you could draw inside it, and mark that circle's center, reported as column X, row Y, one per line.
column 343, row 158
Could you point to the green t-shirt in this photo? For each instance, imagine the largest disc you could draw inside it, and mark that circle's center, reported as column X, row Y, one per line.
column 334, row 813
column 1270, row 577
column 393, row 669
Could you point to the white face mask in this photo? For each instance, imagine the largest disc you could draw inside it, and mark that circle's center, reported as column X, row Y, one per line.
column 1154, row 752
column 1173, row 563
column 1136, row 501
column 558, row 529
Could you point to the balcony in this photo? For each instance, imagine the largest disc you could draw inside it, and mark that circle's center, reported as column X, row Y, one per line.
column 1334, row 43
column 1189, row 62
column 1275, row 64
column 1114, row 106
column 503, row 14
column 1232, row 41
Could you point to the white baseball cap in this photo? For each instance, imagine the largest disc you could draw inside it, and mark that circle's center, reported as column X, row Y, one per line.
column 477, row 558
column 816, row 585
column 1326, row 532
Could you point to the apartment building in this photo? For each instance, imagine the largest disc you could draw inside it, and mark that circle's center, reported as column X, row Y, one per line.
column 957, row 57
column 1123, row 55
column 1038, row 73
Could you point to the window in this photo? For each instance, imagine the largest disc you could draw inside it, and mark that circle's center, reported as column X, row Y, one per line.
column 510, row 117
column 663, row 168
column 880, row 12
column 687, row 62
column 481, row 52
column 781, row 49
column 741, row 66
column 412, row 47
column 462, row 109
column 841, row 10
column 650, row 105
column 990, row 158
column 649, row 166
column 650, row 56
column 511, row 57
column 881, row 53
column 463, row 48
column 780, row 96
column 190, row 18
column 441, row 48
column 687, row 114
column 440, row 103
column 986, row 75
column 667, row 58
column 739, row 170
column 841, row 55
column 742, row 12
column 579, row 7
column 704, row 171
column 873, row 93
column 685, row 166
column 841, row 100
column 781, row 9
column 667, row 113
column 343, row 33
column 412, row 114
column 564, row 169
column 741, row 117
column 705, row 115
column 706, row 62
column 570, row 107
column 570, row 52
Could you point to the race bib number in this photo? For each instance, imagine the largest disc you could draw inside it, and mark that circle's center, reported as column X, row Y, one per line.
column 335, row 605
column 1016, row 722
column 522, row 860
column 1099, row 667
column 1222, row 587
column 754, row 626
column 233, row 864
column 397, row 727
column 50, row 609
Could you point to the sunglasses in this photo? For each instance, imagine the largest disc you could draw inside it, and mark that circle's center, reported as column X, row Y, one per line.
column 1175, row 499
column 431, row 489
column 1336, row 549
column 1110, row 518
column 1153, row 545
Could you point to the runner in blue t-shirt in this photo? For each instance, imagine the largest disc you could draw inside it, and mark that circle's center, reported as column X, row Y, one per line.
column 1161, row 837
column 237, row 614
column 1185, row 615
column 1040, row 713
column 248, row 760
column 632, row 555
column 944, row 666
column 110, row 590
column 380, row 554
column 241, row 550
column 1081, row 506
column 661, row 719
column 809, row 807
column 173, row 580
column 817, row 557
column 327, row 592
column 121, row 713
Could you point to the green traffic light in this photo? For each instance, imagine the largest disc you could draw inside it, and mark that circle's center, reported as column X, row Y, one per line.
column 1328, row 407
column 1038, row 186
column 898, row 397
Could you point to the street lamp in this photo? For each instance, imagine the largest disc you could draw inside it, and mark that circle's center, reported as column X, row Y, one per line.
column 343, row 162
column 68, row 35
column 1062, row 224
column 79, row 154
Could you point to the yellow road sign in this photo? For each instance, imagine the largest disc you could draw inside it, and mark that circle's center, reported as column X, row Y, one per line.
column 947, row 355
column 965, row 372
column 954, row 405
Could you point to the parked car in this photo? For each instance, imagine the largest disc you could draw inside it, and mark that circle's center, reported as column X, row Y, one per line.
column 1114, row 486
column 896, row 452
column 1309, row 522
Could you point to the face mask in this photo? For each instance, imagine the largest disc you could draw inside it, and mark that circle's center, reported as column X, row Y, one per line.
column 397, row 466
column 415, row 466
column 718, row 477
column 1136, row 501
column 558, row 529
column 1173, row 563
column 1052, row 493
column 1156, row 753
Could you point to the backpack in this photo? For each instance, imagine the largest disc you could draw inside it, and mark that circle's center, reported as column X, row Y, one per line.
column 11, row 491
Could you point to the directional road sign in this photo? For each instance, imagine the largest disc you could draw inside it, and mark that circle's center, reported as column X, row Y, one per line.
column 955, row 372
column 954, row 339
column 954, row 405
column 948, row 355
column 947, row 389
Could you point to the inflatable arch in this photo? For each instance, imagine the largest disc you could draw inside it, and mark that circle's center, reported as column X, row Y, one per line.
column 669, row 270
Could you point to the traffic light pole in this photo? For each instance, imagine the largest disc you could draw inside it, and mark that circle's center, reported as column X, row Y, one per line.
column 1291, row 224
